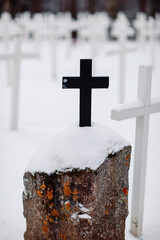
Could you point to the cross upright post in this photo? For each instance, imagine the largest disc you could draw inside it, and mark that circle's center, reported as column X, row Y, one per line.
column 141, row 109
column 85, row 83
column 122, row 32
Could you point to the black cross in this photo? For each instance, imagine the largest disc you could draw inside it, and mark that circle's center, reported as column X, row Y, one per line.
column 85, row 83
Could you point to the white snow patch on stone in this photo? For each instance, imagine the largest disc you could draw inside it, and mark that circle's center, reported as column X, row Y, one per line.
column 76, row 147
column 80, row 204
column 74, row 216
column 84, row 216
column 82, row 208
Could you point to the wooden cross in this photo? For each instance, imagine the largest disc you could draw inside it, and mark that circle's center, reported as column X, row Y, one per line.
column 141, row 109
column 85, row 83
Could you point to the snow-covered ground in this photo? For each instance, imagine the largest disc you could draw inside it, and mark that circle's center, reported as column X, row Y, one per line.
column 45, row 109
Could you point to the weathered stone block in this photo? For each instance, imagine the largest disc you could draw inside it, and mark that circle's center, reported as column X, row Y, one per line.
column 79, row 204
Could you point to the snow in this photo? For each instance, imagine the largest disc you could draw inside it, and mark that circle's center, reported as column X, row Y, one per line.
column 84, row 216
column 45, row 110
column 76, row 148
column 74, row 215
column 83, row 208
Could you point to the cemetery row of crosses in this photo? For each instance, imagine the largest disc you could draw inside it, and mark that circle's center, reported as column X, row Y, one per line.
column 81, row 191
column 93, row 29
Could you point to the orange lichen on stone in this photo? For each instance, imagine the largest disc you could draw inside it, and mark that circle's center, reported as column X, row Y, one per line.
column 45, row 222
column 125, row 191
column 55, row 213
column 49, row 194
column 45, row 227
column 106, row 212
column 67, row 189
column 66, row 216
column 113, row 203
column 127, row 157
column 40, row 193
column 43, row 186
column 50, row 220
column 52, row 205
column 127, row 164
column 75, row 192
column 75, row 198
column 63, row 237
column 68, row 206
column 47, row 217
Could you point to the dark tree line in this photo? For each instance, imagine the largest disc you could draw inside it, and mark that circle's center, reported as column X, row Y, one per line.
column 111, row 6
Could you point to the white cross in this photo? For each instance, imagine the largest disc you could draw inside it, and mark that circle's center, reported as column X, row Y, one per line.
column 52, row 27
column 15, row 87
column 152, row 31
column 5, row 25
column 122, row 32
column 141, row 109
column 140, row 24
column 16, row 57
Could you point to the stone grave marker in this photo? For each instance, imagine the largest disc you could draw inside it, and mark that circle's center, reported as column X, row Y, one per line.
column 141, row 109
column 76, row 185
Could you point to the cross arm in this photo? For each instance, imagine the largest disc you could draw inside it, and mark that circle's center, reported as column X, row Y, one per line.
column 135, row 109
column 71, row 82
column 99, row 82
column 116, row 51
column 5, row 56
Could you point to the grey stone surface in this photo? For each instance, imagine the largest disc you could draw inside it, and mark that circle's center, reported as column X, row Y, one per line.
column 80, row 204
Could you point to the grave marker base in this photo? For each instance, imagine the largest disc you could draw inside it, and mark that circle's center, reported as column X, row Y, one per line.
column 79, row 204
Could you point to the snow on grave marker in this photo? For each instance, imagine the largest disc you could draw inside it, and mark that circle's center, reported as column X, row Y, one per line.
column 85, row 83
column 141, row 109
column 122, row 31
column 76, row 185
